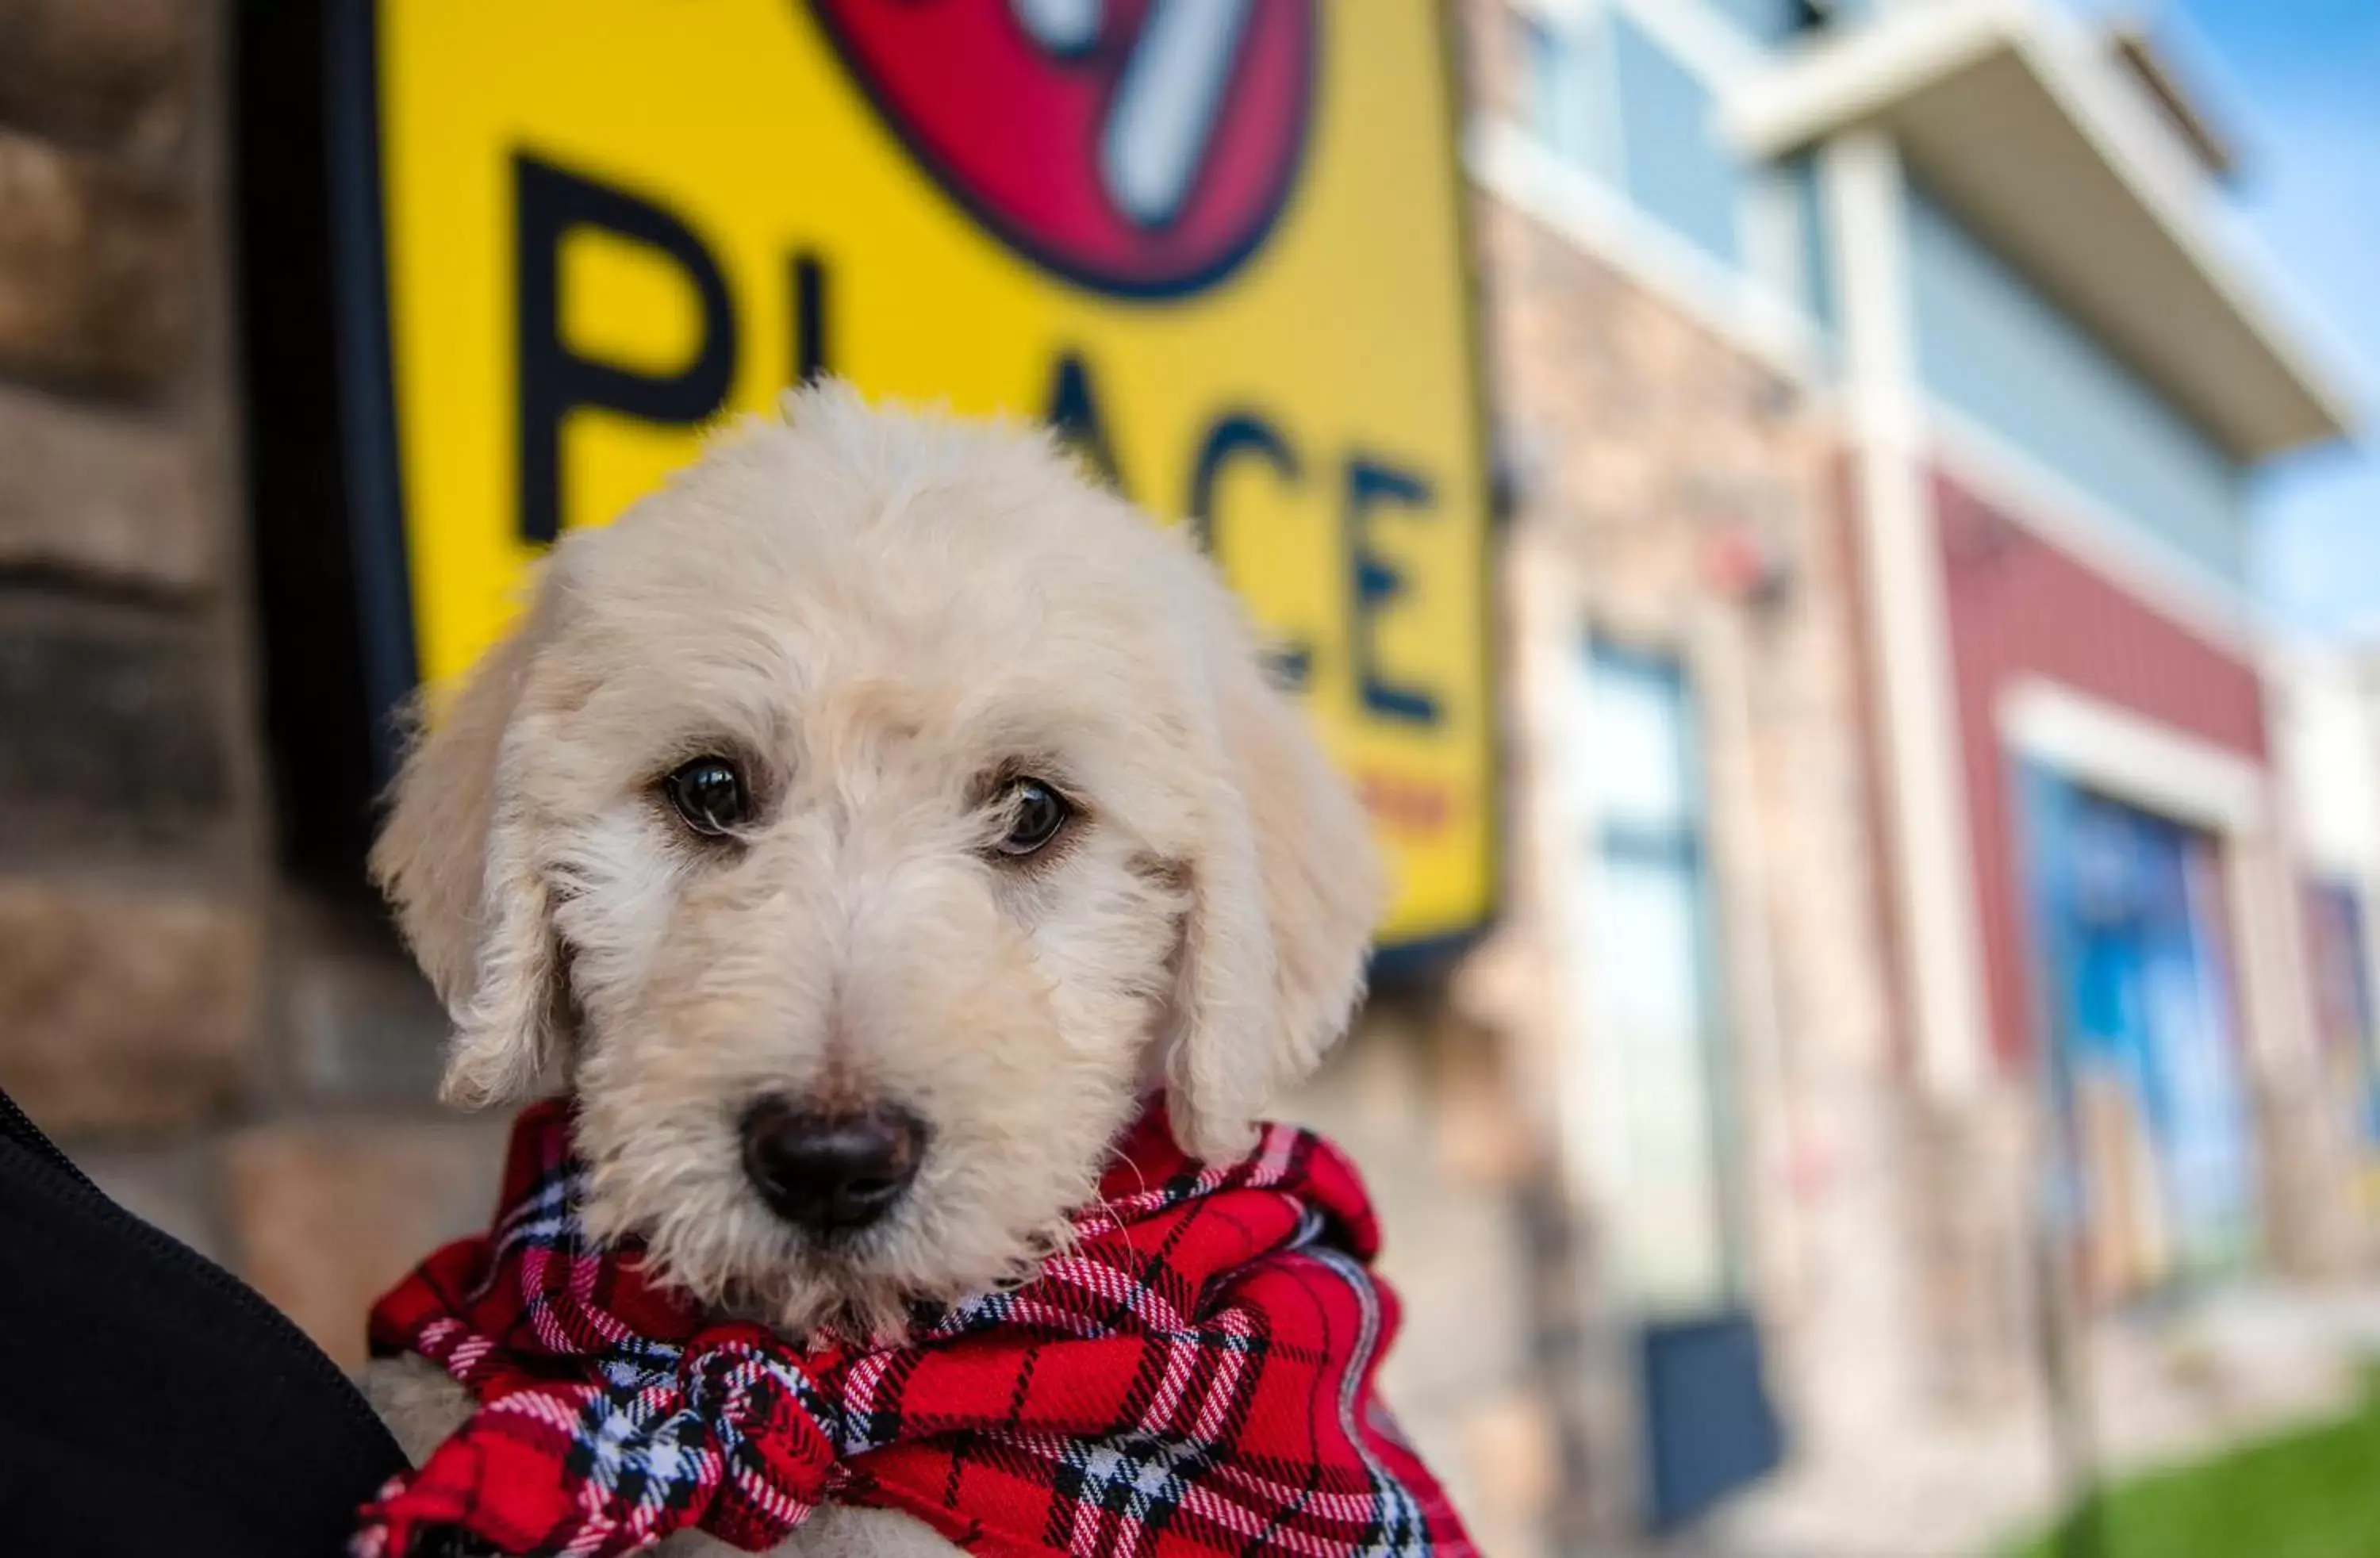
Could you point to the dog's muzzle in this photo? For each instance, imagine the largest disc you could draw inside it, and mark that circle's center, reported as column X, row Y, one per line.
column 830, row 1173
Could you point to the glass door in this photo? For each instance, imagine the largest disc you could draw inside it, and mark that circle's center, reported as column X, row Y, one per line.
column 1651, row 1017
column 1661, row 1120
column 2144, row 1061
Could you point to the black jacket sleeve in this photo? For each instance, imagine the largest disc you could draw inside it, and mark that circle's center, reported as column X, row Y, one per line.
column 150, row 1402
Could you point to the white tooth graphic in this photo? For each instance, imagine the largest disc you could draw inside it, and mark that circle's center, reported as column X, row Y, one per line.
column 1062, row 26
column 1163, row 115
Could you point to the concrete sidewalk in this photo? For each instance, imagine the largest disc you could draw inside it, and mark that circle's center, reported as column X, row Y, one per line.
column 2168, row 1387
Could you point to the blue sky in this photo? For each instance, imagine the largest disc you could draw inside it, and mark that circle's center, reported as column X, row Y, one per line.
column 2297, row 84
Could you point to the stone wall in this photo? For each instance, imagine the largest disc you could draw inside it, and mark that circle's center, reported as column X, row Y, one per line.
column 131, row 939
column 1679, row 492
column 246, row 1066
column 1680, row 499
column 1421, row 1100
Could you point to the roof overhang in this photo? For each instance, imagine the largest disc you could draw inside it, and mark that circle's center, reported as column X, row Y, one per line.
column 2139, row 53
column 2014, row 118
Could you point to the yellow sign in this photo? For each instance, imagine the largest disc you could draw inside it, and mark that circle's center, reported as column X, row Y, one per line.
column 1219, row 241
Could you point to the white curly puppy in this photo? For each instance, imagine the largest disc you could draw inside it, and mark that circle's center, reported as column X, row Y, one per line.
column 863, row 828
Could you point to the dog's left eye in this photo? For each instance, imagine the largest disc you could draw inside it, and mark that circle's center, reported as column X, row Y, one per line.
column 1036, row 815
column 709, row 794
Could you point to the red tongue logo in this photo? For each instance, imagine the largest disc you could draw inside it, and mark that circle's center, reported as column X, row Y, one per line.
column 1140, row 147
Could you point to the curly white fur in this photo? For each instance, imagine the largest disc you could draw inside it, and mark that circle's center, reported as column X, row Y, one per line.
column 878, row 611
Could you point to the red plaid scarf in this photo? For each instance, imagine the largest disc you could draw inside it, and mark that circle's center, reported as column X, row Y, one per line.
column 1193, row 1376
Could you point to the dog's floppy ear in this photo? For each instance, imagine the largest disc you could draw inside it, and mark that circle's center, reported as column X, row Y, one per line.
column 455, row 860
column 1284, row 892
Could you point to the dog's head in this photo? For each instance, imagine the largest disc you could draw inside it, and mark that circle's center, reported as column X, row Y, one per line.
column 863, row 828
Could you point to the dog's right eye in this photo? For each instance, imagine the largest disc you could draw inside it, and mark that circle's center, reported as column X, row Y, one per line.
column 1036, row 815
column 709, row 793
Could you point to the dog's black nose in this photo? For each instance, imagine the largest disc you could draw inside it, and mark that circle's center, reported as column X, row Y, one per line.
column 828, row 1172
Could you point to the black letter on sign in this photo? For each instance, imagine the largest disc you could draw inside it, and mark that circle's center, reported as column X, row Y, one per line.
column 1374, row 583
column 1235, row 434
column 810, row 317
column 1074, row 415
column 547, row 202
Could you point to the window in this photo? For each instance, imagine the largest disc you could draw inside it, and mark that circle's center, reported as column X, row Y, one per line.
column 1773, row 21
column 1651, row 1010
column 1785, row 235
column 2338, row 948
column 1560, row 86
column 1995, row 349
column 1678, row 167
column 1608, row 97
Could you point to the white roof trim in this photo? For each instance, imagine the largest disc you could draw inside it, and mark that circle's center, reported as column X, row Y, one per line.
column 1842, row 78
column 2139, row 760
column 2224, row 353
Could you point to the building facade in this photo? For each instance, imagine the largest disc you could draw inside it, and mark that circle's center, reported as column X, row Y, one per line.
column 1935, row 922
column 1909, row 942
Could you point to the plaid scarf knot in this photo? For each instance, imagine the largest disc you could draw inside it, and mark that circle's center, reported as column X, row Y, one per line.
column 1192, row 1378
column 741, row 1404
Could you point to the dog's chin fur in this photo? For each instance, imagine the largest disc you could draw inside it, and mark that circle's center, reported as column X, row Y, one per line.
column 845, row 1290
column 882, row 618
column 719, row 1244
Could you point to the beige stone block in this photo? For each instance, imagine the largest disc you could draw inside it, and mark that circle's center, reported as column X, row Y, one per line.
column 325, row 1214
column 122, row 1008
column 95, row 271
column 363, row 1028
column 102, row 72
column 118, row 739
column 109, row 496
column 1512, row 1451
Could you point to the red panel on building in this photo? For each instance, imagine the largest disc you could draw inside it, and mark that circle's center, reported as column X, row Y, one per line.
column 2020, row 607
